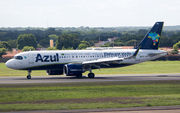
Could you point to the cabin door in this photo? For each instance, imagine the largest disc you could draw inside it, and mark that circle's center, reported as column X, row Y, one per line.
column 31, row 58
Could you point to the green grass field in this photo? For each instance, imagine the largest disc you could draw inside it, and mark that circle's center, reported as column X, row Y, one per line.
column 59, row 96
column 142, row 68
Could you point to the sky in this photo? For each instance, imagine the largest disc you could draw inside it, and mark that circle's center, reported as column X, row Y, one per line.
column 92, row 13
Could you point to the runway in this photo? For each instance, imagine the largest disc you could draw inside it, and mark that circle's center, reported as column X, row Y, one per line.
column 98, row 78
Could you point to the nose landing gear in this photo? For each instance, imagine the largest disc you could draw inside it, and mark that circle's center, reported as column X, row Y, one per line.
column 29, row 74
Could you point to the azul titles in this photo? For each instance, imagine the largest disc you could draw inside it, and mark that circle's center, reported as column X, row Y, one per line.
column 47, row 58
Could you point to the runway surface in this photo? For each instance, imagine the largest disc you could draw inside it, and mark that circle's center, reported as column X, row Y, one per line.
column 98, row 78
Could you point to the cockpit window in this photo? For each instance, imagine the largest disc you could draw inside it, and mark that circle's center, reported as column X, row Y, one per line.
column 18, row 57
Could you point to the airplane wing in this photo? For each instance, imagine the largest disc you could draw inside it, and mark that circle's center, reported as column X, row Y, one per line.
column 107, row 61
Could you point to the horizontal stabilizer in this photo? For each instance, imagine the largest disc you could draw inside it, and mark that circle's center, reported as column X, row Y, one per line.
column 154, row 54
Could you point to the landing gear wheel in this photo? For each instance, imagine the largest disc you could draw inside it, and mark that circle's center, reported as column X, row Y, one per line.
column 29, row 74
column 91, row 75
column 29, row 77
column 79, row 76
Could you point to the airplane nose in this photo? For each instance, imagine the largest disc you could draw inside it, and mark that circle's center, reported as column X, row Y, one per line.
column 8, row 64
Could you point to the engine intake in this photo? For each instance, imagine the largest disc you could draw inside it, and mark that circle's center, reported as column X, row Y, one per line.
column 73, row 69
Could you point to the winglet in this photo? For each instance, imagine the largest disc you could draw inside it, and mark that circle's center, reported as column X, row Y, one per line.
column 135, row 54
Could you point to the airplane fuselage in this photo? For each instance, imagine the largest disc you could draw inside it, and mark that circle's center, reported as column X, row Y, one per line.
column 44, row 60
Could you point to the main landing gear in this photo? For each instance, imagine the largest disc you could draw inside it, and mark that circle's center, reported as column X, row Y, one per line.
column 29, row 74
column 91, row 74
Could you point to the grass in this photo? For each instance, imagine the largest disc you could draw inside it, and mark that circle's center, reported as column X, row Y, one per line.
column 149, row 67
column 135, row 94
column 18, row 97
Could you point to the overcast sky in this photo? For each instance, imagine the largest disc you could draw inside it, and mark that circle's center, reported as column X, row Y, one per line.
column 92, row 13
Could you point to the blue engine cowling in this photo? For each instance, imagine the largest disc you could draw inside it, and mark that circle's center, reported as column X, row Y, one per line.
column 73, row 69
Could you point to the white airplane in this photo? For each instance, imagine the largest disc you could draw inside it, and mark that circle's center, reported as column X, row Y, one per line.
column 76, row 62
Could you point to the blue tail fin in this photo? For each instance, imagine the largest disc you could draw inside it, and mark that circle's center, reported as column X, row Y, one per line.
column 152, row 39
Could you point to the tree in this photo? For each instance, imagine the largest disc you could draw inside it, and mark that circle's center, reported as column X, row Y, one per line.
column 84, row 45
column 26, row 40
column 178, row 44
column 39, row 46
column 109, row 44
column 51, row 48
column 28, row 48
column 130, row 43
column 2, row 51
column 12, row 43
column 53, row 36
column 69, row 48
column 119, row 44
column 165, row 42
column 45, row 42
column 176, row 48
column 142, row 31
column 50, row 31
column 6, row 45
column 68, row 40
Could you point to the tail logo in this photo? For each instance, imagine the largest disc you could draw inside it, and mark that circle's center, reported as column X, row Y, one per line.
column 155, row 37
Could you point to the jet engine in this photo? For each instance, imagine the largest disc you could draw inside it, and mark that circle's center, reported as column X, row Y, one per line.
column 54, row 72
column 73, row 70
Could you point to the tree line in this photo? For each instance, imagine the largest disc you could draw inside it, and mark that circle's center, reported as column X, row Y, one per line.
column 78, row 39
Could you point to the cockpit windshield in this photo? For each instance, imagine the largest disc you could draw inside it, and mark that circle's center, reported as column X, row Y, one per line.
column 18, row 57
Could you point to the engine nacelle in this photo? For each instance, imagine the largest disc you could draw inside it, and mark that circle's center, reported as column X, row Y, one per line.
column 73, row 69
column 54, row 72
